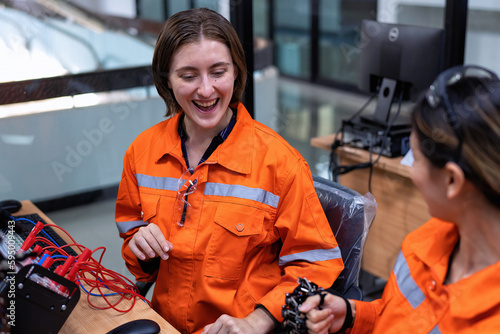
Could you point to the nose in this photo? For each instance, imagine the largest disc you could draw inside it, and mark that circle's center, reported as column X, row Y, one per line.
column 206, row 87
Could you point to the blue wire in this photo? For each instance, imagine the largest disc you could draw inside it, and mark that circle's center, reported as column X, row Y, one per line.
column 95, row 294
column 30, row 221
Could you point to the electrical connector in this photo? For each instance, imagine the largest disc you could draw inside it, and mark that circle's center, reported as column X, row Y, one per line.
column 30, row 240
column 81, row 259
column 63, row 268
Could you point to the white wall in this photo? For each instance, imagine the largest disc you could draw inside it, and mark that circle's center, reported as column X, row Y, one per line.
column 388, row 10
column 64, row 152
column 124, row 8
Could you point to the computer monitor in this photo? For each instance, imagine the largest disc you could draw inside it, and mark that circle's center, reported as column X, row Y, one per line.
column 398, row 60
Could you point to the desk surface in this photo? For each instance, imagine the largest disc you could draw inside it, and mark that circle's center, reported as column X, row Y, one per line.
column 85, row 319
column 392, row 165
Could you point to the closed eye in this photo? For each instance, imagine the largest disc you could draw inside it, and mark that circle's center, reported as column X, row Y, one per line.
column 219, row 73
column 187, row 77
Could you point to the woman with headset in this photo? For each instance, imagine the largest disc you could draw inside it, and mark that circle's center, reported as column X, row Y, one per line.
column 445, row 279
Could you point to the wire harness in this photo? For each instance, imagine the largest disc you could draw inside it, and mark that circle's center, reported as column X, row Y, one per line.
column 105, row 288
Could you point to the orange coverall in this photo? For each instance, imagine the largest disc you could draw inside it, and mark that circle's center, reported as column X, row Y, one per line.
column 415, row 300
column 253, row 223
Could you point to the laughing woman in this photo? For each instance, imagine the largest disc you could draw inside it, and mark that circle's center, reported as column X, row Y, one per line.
column 213, row 206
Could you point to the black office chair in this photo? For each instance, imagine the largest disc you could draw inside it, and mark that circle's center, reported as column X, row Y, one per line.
column 143, row 287
column 350, row 215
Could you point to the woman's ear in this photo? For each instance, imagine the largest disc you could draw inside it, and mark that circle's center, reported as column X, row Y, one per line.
column 455, row 180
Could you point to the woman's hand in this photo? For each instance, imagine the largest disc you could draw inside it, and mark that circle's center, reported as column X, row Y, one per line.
column 149, row 242
column 329, row 319
column 257, row 322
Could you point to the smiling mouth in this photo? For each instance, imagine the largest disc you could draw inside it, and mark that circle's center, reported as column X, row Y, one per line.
column 206, row 106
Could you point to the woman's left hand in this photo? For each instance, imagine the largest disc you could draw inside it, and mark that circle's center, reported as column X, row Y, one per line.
column 256, row 322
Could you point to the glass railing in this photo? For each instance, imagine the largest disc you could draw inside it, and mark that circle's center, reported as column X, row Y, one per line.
column 75, row 90
column 51, row 49
column 47, row 38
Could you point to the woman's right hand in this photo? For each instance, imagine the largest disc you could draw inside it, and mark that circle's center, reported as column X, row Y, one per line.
column 329, row 319
column 149, row 242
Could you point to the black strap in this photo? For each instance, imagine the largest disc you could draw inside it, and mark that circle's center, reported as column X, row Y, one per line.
column 348, row 322
column 322, row 295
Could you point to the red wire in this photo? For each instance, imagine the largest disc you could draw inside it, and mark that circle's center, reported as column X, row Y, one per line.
column 45, row 241
column 97, row 277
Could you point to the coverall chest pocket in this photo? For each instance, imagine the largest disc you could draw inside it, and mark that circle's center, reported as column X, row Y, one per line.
column 149, row 205
column 235, row 225
column 157, row 208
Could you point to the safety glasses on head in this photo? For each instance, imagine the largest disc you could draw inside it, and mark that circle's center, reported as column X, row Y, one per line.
column 437, row 94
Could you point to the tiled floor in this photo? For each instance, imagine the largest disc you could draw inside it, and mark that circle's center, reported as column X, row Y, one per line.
column 305, row 111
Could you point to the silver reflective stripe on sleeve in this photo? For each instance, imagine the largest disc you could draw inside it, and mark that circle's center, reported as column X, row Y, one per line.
column 238, row 191
column 314, row 255
column 406, row 284
column 435, row 330
column 124, row 227
column 156, row 182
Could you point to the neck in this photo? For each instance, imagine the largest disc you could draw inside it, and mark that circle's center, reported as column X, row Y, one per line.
column 479, row 230
column 199, row 139
column 199, row 136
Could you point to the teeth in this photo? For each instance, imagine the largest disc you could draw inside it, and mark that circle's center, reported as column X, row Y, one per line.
column 206, row 104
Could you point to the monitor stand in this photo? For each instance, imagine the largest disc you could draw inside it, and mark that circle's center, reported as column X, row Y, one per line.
column 385, row 100
column 373, row 132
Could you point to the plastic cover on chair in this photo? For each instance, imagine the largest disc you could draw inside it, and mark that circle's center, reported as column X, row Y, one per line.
column 350, row 215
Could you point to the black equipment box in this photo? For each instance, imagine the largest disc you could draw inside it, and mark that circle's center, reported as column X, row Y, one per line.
column 38, row 309
column 369, row 135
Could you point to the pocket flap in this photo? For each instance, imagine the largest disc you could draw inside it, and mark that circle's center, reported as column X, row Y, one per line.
column 149, row 205
column 239, row 219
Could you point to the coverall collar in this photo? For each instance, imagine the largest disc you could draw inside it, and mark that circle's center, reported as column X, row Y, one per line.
column 234, row 153
column 435, row 252
column 465, row 304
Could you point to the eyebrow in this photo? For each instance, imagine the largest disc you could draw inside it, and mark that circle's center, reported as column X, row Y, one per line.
column 192, row 68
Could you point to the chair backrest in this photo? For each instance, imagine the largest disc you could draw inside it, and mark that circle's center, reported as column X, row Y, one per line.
column 350, row 215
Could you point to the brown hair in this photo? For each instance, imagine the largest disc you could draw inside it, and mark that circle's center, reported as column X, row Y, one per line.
column 476, row 104
column 191, row 26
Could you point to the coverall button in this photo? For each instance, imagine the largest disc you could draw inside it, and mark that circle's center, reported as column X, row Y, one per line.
column 432, row 285
column 240, row 227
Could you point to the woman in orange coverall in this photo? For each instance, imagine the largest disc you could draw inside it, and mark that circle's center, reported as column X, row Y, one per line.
column 446, row 278
column 215, row 207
